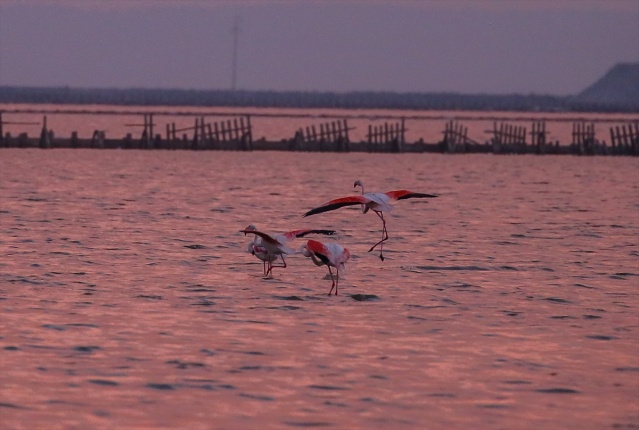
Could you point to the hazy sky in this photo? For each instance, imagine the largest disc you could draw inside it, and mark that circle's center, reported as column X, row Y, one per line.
column 466, row 46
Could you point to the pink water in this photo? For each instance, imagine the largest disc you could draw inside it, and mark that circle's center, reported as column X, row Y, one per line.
column 128, row 300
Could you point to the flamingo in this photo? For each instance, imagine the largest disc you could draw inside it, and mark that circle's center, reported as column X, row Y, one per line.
column 255, row 247
column 329, row 254
column 267, row 248
column 377, row 202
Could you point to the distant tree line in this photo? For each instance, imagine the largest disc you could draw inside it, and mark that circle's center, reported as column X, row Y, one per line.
column 298, row 99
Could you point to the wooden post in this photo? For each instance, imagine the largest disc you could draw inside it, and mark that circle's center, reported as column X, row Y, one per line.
column 145, row 133
column 626, row 139
column 622, row 141
column 538, row 136
column 236, row 130
column 223, row 131
column 345, row 123
column 241, row 130
column 465, row 138
column 620, row 146
column 386, row 133
column 44, row 134
column 250, row 129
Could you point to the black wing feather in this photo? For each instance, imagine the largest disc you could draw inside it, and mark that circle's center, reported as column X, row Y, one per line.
column 322, row 257
column 326, row 232
column 330, row 207
column 416, row 195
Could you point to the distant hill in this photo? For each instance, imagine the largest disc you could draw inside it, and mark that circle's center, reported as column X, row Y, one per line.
column 620, row 86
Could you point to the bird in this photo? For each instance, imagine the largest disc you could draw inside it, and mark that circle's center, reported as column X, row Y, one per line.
column 330, row 254
column 268, row 248
column 255, row 248
column 375, row 201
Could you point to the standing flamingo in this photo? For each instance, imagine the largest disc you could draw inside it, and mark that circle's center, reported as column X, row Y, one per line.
column 330, row 254
column 256, row 248
column 267, row 248
column 377, row 202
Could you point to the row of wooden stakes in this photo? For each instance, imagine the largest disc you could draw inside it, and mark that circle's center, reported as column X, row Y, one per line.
column 237, row 134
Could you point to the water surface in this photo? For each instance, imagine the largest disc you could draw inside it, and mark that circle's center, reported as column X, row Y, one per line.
column 128, row 299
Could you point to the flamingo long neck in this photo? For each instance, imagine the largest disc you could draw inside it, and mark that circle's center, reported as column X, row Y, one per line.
column 307, row 253
column 316, row 260
column 361, row 185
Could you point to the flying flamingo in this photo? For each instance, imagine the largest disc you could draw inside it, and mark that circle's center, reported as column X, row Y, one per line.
column 267, row 248
column 329, row 254
column 377, row 202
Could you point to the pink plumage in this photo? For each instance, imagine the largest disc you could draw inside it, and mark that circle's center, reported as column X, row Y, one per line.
column 268, row 247
column 329, row 254
column 377, row 202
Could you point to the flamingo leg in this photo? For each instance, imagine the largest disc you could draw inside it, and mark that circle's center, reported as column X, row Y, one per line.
column 283, row 262
column 334, row 285
column 268, row 270
column 271, row 265
column 384, row 236
column 264, row 267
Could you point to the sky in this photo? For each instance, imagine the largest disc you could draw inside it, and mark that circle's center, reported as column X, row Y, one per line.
column 554, row 47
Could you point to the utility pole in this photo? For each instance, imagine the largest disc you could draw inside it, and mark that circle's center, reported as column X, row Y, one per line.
column 236, row 31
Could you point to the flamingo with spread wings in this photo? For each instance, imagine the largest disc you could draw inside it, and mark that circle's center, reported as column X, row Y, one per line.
column 329, row 254
column 377, row 202
column 268, row 248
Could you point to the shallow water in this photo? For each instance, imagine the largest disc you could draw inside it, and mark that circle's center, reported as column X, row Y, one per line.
column 128, row 299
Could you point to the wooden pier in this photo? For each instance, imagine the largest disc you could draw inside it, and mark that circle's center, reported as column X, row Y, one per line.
column 330, row 136
column 389, row 137
column 235, row 133
column 625, row 139
column 509, row 139
column 456, row 140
